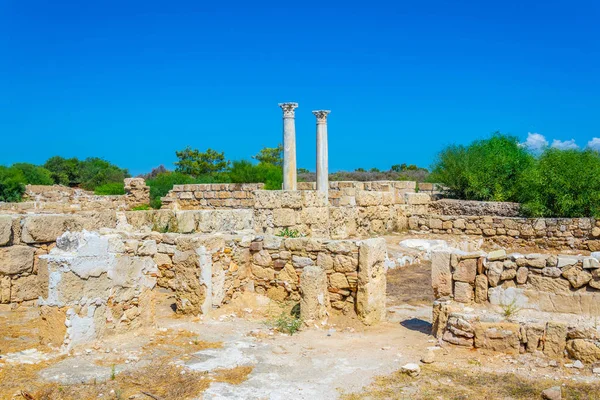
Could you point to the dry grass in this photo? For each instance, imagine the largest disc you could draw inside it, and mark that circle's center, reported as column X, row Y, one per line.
column 179, row 342
column 17, row 377
column 233, row 376
column 438, row 383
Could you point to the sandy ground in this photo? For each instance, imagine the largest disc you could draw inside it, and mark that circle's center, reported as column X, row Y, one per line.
column 316, row 363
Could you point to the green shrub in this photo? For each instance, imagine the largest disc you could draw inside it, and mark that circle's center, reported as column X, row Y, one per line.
column 110, row 189
column 96, row 172
column 34, row 175
column 244, row 171
column 287, row 323
column 64, row 171
column 163, row 182
column 12, row 184
column 486, row 170
column 289, row 233
column 562, row 183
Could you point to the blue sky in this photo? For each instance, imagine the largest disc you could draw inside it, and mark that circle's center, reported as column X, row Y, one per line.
column 133, row 81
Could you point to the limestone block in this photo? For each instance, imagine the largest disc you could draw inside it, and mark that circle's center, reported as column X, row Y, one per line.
column 546, row 284
column 314, row 298
column 341, row 247
column 457, row 340
column 534, row 334
column 277, row 293
column 5, row 229
column 463, row 292
column 272, row 242
column 441, row 276
column 290, row 198
column 555, row 339
column 24, row 288
column 262, row 258
column 494, row 273
column 417, row 198
column 162, row 259
column 588, row 263
column 366, row 198
column 147, row 248
column 465, row 271
column 16, row 259
column 46, row 228
column 522, row 274
column 267, row 274
column 301, row 262
column 269, row 199
column 552, row 272
column 583, row 350
column 5, row 283
column 496, row 255
column 284, row 217
column 481, row 289
column 186, row 221
column 312, row 198
column 371, row 291
column 314, row 215
column 497, row 336
column 339, row 281
column 343, row 263
column 576, row 276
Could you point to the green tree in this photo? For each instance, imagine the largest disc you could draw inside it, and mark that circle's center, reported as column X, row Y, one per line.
column 195, row 163
column 244, row 171
column 34, row 175
column 163, row 182
column 65, row 171
column 562, row 183
column 270, row 155
column 487, row 170
column 12, row 184
column 96, row 172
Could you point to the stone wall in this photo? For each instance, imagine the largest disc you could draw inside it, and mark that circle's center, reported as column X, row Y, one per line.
column 579, row 233
column 480, row 208
column 214, row 195
column 343, row 193
column 514, row 302
column 303, row 210
column 100, row 284
column 64, row 199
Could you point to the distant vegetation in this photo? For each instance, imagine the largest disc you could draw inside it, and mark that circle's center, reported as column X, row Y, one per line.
column 557, row 183
column 192, row 166
column 91, row 174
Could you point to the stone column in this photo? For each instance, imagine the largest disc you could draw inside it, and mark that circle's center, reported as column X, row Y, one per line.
column 289, row 146
column 322, row 152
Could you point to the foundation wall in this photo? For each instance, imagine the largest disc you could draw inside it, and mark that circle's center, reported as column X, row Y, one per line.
column 515, row 303
column 211, row 196
column 578, row 233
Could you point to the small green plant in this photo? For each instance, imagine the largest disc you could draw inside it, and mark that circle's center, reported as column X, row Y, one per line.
column 287, row 323
column 141, row 207
column 289, row 233
column 511, row 309
column 113, row 372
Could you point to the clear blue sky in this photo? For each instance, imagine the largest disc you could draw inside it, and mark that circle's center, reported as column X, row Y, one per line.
column 133, row 81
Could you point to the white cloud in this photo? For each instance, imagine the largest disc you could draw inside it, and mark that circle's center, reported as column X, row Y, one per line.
column 594, row 144
column 566, row 145
column 535, row 142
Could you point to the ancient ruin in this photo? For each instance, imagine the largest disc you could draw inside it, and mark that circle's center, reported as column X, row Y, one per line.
column 89, row 270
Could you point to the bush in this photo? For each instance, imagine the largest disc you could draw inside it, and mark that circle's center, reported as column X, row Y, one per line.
column 245, row 172
column 486, row 170
column 110, row 189
column 162, row 183
column 34, row 175
column 12, row 184
column 96, row 172
column 196, row 163
column 64, row 171
column 563, row 183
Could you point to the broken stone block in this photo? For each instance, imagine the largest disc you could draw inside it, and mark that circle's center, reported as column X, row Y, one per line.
column 5, row 229
column 522, row 274
column 497, row 336
column 481, row 289
column 494, row 273
column 555, row 339
column 371, row 290
column 576, row 276
column 441, row 276
column 315, row 297
column 583, row 350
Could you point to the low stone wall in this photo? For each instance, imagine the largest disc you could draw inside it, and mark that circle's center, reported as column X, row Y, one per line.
column 64, row 199
column 215, row 195
column 99, row 284
column 578, row 233
column 534, row 302
column 303, row 210
column 479, row 208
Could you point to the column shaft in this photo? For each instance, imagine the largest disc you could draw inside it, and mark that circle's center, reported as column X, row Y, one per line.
column 322, row 152
column 289, row 146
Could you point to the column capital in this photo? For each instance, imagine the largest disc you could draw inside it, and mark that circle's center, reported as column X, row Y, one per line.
column 321, row 115
column 288, row 109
